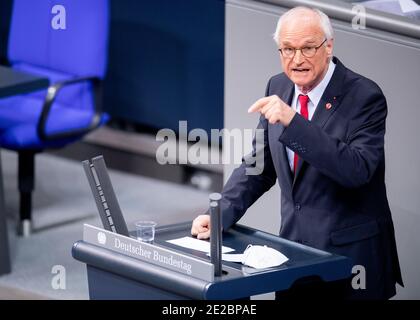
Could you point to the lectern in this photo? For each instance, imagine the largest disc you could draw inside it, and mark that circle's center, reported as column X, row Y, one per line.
column 130, row 271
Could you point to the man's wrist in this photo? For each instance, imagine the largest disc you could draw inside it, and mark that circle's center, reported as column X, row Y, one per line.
column 289, row 115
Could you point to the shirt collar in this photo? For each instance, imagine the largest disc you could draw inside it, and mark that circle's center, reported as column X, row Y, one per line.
column 316, row 93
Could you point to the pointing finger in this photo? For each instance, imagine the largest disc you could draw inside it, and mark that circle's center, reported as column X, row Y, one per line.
column 258, row 104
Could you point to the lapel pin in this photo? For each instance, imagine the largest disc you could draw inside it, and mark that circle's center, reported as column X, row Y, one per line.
column 328, row 106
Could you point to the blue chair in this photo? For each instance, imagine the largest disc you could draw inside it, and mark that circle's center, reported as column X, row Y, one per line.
column 74, row 59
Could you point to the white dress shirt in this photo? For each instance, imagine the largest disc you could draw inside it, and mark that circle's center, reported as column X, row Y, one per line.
column 314, row 96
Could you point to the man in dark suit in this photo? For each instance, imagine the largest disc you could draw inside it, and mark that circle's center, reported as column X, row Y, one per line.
column 324, row 128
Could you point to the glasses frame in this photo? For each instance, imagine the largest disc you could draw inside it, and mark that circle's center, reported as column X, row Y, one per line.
column 296, row 49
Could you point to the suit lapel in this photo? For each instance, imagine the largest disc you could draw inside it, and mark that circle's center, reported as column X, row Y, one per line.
column 329, row 102
column 286, row 96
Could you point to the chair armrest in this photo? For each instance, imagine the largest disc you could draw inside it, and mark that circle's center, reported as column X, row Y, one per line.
column 51, row 96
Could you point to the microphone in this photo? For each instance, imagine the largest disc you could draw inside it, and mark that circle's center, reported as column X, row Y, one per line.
column 216, row 233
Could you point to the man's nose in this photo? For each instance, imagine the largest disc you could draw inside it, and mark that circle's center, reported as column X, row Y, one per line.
column 298, row 58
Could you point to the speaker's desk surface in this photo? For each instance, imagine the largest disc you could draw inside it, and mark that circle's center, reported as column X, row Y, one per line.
column 112, row 275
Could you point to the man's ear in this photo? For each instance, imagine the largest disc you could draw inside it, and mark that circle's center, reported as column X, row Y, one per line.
column 330, row 45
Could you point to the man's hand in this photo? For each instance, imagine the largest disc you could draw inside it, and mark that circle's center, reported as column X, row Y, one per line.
column 274, row 110
column 201, row 227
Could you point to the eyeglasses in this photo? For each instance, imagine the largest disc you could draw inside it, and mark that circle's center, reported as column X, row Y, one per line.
column 308, row 52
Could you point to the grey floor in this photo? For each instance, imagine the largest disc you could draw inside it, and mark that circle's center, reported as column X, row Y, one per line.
column 62, row 194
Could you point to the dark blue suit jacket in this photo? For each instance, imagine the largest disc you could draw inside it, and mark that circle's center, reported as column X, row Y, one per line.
column 337, row 200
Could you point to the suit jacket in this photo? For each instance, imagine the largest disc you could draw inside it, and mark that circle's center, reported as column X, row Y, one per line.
column 337, row 199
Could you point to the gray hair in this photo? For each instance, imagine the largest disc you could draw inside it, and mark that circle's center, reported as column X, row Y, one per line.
column 324, row 22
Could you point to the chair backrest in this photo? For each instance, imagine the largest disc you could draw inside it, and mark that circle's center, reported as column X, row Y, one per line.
column 78, row 50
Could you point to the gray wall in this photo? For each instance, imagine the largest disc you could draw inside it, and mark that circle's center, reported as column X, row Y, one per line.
column 393, row 61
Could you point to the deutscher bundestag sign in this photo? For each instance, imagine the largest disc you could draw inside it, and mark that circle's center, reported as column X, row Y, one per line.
column 151, row 253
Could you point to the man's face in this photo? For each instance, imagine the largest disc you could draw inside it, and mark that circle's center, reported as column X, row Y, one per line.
column 298, row 33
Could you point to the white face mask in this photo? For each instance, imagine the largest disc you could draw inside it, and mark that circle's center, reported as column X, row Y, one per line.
column 260, row 257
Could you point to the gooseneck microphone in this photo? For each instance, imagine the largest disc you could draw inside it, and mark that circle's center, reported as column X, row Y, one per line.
column 216, row 233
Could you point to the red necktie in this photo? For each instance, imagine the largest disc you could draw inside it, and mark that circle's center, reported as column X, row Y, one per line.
column 303, row 100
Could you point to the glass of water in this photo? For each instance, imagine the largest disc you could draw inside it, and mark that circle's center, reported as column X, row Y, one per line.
column 145, row 231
